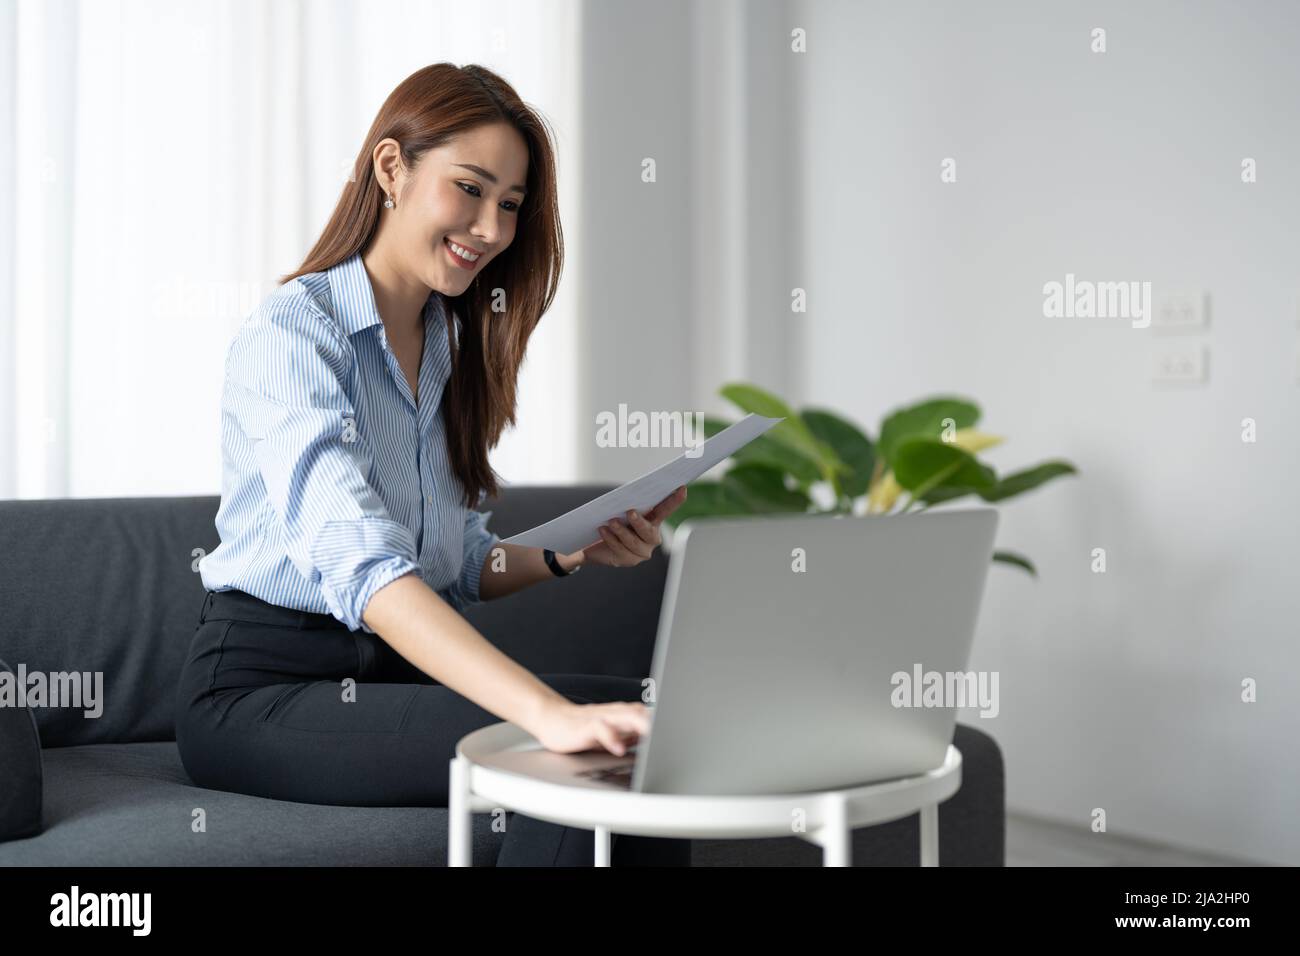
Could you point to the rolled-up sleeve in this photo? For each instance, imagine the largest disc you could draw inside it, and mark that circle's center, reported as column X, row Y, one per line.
column 285, row 372
column 478, row 543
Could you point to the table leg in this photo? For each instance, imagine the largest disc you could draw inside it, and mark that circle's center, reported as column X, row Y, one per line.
column 602, row 846
column 930, row 835
column 460, row 820
column 836, row 835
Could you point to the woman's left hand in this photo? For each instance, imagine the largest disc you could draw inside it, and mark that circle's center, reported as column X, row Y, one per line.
column 632, row 538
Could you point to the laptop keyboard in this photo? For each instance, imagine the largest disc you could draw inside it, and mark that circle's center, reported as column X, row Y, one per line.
column 619, row 776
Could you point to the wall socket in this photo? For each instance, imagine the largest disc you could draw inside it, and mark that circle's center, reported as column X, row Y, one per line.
column 1182, row 312
column 1189, row 365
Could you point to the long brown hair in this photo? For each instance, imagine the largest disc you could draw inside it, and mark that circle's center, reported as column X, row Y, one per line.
column 427, row 109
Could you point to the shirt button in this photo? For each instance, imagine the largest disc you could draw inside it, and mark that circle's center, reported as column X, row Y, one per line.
column 429, row 498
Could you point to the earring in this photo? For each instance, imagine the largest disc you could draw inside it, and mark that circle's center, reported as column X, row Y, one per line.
column 388, row 203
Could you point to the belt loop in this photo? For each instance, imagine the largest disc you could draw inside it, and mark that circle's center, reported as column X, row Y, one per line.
column 207, row 603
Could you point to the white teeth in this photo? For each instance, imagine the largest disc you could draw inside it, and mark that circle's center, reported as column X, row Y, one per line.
column 463, row 252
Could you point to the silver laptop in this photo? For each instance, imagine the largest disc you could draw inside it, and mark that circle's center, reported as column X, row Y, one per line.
column 781, row 640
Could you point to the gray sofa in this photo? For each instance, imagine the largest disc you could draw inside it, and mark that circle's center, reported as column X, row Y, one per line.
column 108, row 584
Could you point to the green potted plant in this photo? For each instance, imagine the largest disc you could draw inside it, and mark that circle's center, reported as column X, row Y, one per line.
column 818, row 462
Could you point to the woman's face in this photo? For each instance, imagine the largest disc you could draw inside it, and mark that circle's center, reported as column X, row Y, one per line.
column 448, row 202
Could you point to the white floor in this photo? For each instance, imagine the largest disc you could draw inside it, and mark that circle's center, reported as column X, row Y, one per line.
column 1035, row 842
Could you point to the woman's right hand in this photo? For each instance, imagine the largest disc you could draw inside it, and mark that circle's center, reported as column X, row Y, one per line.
column 567, row 727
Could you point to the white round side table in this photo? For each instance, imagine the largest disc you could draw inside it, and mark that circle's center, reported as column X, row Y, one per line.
column 825, row 818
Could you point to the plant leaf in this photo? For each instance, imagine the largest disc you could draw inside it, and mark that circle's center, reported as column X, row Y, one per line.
column 763, row 488
column 1022, row 481
column 793, row 432
column 704, row 498
column 850, row 445
column 925, row 420
column 974, row 441
column 1020, row 561
column 945, row 492
column 925, row 463
column 764, row 451
column 751, row 398
column 714, row 425
column 883, row 494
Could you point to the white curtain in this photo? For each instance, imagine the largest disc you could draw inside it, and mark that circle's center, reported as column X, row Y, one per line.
column 163, row 162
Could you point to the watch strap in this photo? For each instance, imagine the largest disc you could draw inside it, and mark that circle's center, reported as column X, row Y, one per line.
column 549, row 556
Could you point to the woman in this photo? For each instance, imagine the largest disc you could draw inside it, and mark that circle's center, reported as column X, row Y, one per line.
column 331, row 663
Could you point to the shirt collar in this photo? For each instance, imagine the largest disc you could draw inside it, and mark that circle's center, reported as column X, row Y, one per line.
column 354, row 298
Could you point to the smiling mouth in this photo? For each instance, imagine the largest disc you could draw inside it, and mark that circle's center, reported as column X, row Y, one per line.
column 467, row 261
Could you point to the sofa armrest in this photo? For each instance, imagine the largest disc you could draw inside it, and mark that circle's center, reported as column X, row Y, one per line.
column 20, row 758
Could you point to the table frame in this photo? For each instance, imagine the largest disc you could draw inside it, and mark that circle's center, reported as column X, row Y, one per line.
column 826, row 818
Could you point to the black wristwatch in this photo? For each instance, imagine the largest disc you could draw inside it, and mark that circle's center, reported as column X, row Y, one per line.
column 554, row 565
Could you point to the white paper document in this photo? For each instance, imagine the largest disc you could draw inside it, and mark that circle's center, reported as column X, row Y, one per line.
column 579, row 528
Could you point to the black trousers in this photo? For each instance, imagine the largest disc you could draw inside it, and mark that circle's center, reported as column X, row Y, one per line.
column 261, row 709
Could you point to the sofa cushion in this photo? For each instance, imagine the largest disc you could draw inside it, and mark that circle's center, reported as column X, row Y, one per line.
column 133, row 805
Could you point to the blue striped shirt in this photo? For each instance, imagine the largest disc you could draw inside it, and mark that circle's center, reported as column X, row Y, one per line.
column 334, row 482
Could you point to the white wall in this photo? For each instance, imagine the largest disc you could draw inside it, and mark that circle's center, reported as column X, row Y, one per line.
column 683, row 279
column 1120, row 690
